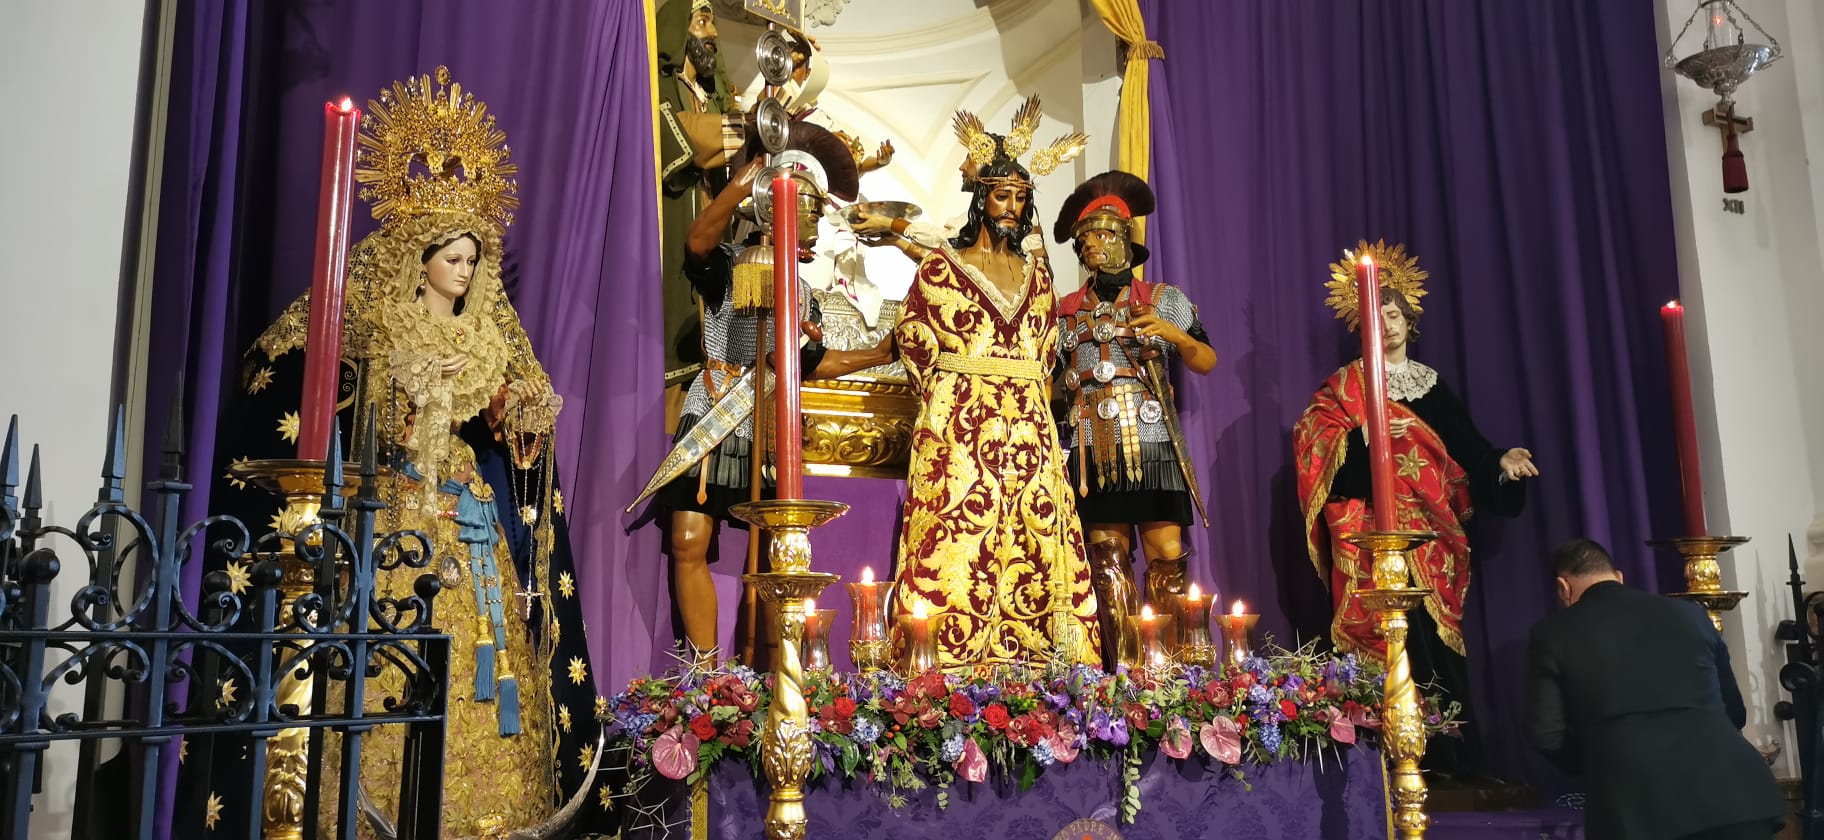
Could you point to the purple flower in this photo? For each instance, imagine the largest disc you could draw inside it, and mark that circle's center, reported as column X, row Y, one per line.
column 1101, row 727
column 1260, row 695
column 1294, row 682
column 867, row 730
column 953, row 747
column 1270, row 738
column 1041, row 752
column 1258, row 666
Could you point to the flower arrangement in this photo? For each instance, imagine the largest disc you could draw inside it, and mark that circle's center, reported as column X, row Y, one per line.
column 930, row 730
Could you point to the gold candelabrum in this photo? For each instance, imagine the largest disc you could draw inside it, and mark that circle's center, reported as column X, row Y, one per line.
column 1402, row 718
column 785, row 745
column 1703, row 575
column 300, row 484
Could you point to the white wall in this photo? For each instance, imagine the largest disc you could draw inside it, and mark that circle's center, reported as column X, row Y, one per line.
column 1751, row 282
column 900, row 70
column 69, row 74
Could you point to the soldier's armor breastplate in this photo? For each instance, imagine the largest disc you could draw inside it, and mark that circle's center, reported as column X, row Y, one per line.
column 1114, row 407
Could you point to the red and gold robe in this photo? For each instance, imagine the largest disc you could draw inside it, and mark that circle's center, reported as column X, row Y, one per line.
column 991, row 544
column 1433, row 492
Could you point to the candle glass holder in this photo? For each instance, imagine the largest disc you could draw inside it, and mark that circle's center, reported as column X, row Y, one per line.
column 1151, row 633
column 817, row 640
column 1703, row 575
column 1195, row 645
column 869, row 647
column 1237, row 637
column 921, row 646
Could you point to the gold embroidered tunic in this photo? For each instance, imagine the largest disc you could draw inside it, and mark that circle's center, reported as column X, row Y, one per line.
column 991, row 544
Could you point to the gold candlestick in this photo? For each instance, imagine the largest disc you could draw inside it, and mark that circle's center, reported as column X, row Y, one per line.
column 1237, row 628
column 869, row 646
column 301, row 484
column 1195, row 646
column 1703, row 575
column 785, row 746
column 1402, row 719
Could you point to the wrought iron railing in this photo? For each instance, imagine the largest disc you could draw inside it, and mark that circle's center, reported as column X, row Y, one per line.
column 210, row 662
column 1803, row 677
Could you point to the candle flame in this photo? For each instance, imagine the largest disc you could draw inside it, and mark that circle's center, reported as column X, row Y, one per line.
column 1239, row 608
column 867, row 574
column 1368, row 259
column 346, row 105
column 1146, row 613
column 1158, row 659
column 1673, row 304
column 918, row 610
column 1195, row 593
column 810, row 605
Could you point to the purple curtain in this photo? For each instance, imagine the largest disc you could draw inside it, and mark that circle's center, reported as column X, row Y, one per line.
column 569, row 83
column 1517, row 149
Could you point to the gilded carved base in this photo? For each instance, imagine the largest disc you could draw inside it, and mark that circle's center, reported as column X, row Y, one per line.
column 1704, row 575
column 860, row 425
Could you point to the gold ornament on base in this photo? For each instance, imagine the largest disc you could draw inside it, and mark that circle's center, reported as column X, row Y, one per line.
column 1402, row 719
column 785, row 747
column 1703, row 575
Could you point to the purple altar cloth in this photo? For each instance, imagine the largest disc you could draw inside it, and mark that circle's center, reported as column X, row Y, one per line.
column 1289, row 800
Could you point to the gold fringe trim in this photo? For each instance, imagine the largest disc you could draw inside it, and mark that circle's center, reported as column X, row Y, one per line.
column 753, row 287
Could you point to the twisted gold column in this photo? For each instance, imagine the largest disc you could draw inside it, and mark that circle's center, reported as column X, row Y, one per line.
column 785, row 745
column 1703, row 575
column 1402, row 717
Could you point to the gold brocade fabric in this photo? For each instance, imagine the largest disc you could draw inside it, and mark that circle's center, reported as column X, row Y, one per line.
column 486, row 777
column 491, row 782
column 991, row 543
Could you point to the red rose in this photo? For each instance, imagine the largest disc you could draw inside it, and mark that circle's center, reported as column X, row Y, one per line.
column 1288, row 708
column 703, row 727
column 961, row 706
column 996, row 716
column 845, row 707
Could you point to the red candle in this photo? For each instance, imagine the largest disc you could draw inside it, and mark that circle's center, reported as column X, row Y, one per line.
column 789, row 422
column 323, row 341
column 1684, row 424
column 1374, row 385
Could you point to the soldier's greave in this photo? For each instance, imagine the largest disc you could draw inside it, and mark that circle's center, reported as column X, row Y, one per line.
column 1117, row 598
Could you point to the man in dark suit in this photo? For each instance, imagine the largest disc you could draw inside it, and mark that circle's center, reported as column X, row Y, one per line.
column 1634, row 692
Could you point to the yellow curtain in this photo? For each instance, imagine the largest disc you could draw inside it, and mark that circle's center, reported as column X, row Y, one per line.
column 1135, row 120
column 652, row 62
